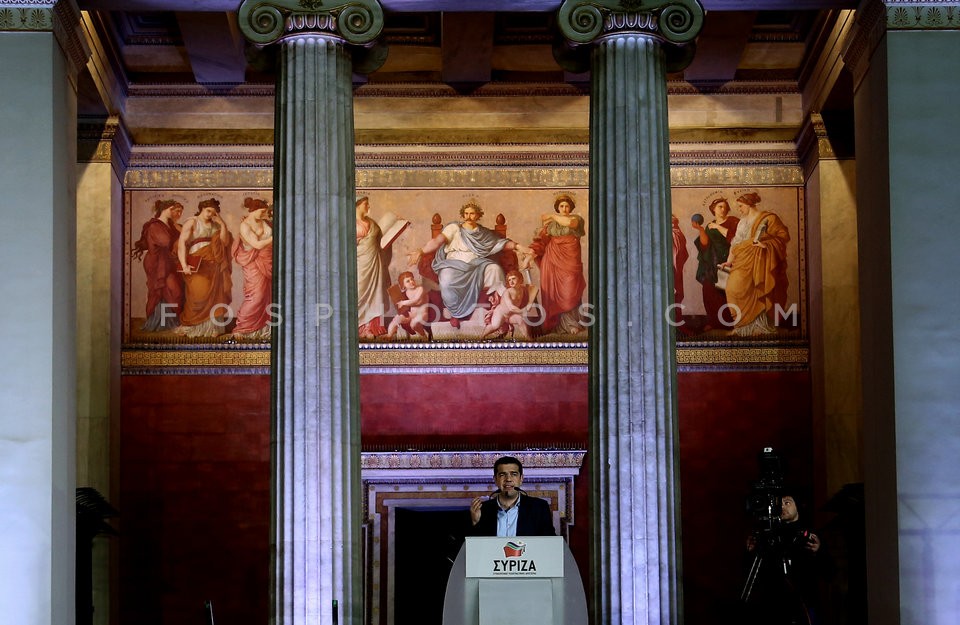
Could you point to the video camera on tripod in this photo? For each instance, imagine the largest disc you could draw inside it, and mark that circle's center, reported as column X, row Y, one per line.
column 771, row 537
column 765, row 502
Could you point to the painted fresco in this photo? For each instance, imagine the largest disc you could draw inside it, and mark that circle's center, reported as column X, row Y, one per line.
column 453, row 265
column 737, row 263
column 491, row 265
column 199, row 266
column 433, row 265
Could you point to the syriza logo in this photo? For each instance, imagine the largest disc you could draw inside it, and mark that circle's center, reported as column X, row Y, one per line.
column 514, row 549
column 514, row 563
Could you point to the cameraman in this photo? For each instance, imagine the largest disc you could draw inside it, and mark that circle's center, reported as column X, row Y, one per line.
column 788, row 566
column 789, row 524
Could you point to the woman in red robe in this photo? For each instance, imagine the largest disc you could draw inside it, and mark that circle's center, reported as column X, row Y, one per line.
column 559, row 257
column 157, row 247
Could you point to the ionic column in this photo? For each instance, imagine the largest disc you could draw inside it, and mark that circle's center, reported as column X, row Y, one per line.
column 633, row 448
column 316, row 437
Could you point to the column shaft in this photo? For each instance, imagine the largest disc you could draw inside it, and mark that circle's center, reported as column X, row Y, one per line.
column 316, row 452
column 632, row 363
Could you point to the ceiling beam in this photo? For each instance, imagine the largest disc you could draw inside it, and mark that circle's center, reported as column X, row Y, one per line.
column 466, row 43
column 720, row 46
column 214, row 45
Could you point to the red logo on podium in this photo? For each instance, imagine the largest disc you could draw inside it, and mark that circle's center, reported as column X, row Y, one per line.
column 514, row 549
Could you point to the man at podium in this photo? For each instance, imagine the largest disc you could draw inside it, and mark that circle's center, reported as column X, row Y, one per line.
column 510, row 511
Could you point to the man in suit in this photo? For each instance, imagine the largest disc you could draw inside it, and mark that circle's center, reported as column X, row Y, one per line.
column 509, row 511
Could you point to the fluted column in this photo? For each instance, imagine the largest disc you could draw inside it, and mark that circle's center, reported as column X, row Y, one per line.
column 633, row 447
column 317, row 575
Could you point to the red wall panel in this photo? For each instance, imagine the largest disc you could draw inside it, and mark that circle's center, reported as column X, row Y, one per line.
column 485, row 410
column 195, row 471
column 726, row 418
column 194, row 498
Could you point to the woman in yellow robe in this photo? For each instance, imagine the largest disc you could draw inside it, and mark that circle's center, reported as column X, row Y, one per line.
column 758, row 269
column 204, row 254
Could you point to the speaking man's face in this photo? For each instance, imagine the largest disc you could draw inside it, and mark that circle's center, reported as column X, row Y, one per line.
column 508, row 478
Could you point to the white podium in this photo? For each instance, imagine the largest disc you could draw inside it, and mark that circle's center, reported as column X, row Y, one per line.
column 523, row 580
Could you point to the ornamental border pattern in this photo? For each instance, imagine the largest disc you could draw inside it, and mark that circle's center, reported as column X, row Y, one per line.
column 62, row 18
column 460, row 358
column 909, row 15
column 370, row 158
column 531, row 458
column 27, row 16
column 427, row 177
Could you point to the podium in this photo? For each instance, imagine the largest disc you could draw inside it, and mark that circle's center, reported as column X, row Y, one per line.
column 520, row 580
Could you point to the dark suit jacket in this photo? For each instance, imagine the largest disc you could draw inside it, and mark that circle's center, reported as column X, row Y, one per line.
column 533, row 519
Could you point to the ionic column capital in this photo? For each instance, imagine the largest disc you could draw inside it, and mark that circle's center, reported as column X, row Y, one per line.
column 674, row 23
column 356, row 22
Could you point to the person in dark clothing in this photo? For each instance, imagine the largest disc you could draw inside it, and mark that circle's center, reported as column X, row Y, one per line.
column 510, row 511
column 786, row 566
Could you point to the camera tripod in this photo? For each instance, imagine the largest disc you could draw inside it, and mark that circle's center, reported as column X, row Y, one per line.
column 778, row 597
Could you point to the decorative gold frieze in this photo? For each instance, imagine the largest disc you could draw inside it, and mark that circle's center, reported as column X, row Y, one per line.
column 471, row 178
column 256, row 173
column 463, row 355
column 473, row 356
column 198, row 178
column 745, row 176
column 136, row 358
column 743, row 355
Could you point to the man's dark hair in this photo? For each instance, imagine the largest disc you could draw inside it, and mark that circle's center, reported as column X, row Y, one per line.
column 507, row 460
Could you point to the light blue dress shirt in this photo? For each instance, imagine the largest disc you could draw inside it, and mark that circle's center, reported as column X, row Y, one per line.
column 507, row 519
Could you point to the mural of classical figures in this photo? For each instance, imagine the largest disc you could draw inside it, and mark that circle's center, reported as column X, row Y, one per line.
column 157, row 248
column 464, row 265
column 764, row 275
column 253, row 252
column 680, row 256
column 373, row 277
column 556, row 248
column 413, row 308
column 758, row 268
column 203, row 251
column 713, row 248
column 232, row 232
column 515, row 312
